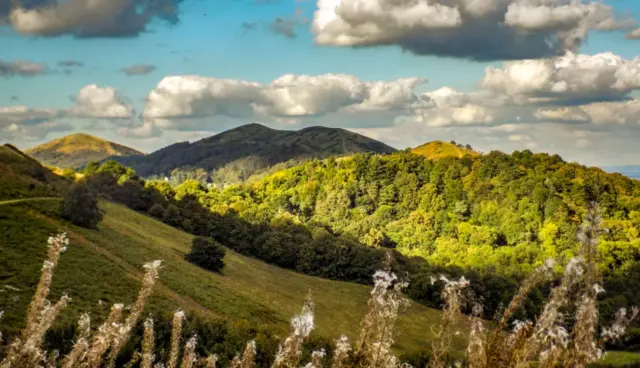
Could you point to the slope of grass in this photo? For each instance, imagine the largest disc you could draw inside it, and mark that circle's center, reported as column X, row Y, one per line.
column 76, row 150
column 439, row 149
column 23, row 177
column 104, row 267
column 621, row 358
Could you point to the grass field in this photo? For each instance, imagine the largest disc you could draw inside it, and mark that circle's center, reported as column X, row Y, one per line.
column 103, row 267
column 621, row 358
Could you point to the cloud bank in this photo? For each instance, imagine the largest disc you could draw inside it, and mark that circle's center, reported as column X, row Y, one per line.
column 471, row 29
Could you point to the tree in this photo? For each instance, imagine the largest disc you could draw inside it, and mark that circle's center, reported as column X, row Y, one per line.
column 206, row 253
column 80, row 206
column 171, row 216
column 92, row 168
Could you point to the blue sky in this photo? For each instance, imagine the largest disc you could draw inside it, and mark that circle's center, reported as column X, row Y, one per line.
column 235, row 40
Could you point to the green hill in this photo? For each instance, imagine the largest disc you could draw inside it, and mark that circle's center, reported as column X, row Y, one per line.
column 23, row 177
column 105, row 265
column 237, row 154
column 438, row 149
column 76, row 150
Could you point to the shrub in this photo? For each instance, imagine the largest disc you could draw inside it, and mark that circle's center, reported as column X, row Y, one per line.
column 206, row 253
column 156, row 210
column 80, row 206
column 171, row 216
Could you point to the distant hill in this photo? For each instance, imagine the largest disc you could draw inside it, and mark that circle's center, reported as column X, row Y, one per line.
column 632, row 171
column 76, row 150
column 439, row 149
column 237, row 154
column 23, row 177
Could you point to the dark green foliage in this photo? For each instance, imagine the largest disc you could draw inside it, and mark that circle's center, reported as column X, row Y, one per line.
column 156, row 210
column 172, row 216
column 80, row 206
column 206, row 253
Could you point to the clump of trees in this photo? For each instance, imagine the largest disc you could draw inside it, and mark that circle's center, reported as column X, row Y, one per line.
column 206, row 253
column 80, row 206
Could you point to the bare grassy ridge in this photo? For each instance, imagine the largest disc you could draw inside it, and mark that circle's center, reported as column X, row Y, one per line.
column 77, row 150
column 438, row 149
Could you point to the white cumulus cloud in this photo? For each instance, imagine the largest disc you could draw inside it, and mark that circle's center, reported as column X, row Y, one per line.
column 570, row 79
column 94, row 101
column 473, row 29
column 288, row 98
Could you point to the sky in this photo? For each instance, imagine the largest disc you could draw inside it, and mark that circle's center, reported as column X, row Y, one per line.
column 557, row 76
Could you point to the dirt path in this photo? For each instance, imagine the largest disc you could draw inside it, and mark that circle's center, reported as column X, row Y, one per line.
column 14, row 201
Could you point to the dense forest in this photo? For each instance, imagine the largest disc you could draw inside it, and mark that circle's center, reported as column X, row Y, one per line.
column 496, row 213
column 492, row 218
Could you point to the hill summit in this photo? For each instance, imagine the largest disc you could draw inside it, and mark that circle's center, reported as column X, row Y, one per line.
column 77, row 150
column 438, row 149
column 237, row 154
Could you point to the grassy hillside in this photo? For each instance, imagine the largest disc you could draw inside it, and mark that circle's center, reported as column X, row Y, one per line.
column 237, row 154
column 105, row 265
column 23, row 177
column 438, row 149
column 76, row 150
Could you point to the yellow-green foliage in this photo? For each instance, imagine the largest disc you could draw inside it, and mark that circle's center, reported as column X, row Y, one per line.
column 105, row 265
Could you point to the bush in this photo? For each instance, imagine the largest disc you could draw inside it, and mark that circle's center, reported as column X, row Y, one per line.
column 206, row 253
column 80, row 206
column 156, row 210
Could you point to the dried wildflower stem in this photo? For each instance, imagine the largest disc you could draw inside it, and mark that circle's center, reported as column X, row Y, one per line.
column 102, row 338
column 122, row 334
column 249, row 355
column 452, row 296
column 289, row 356
column 57, row 245
column 27, row 350
column 189, row 356
column 211, row 361
column 176, row 331
column 341, row 352
column 148, row 344
column 476, row 349
column 376, row 337
column 81, row 345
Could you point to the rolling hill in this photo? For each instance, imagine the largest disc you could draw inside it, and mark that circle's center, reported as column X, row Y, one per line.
column 439, row 149
column 237, row 154
column 76, row 150
column 105, row 265
column 23, row 177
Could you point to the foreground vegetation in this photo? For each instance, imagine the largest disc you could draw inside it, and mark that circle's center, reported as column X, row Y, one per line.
column 550, row 341
column 248, row 300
